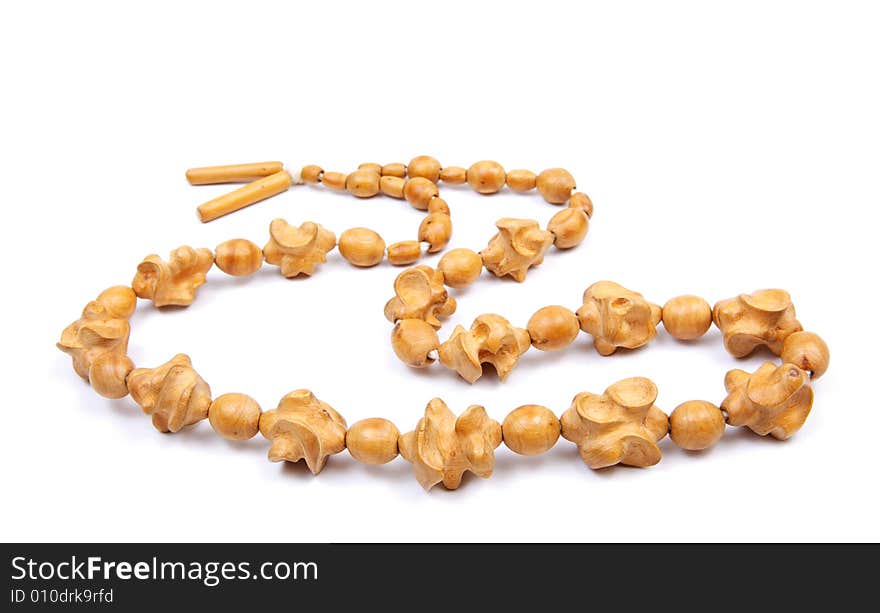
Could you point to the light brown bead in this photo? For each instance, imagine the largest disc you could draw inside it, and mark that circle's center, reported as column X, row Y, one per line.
column 108, row 372
column 392, row 186
column 235, row 416
column 521, row 180
column 435, row 230
column 404, row 253
column 311, row 173
column 438, row 205
column 232, row 173
column 555, row 185
column 362, row 247
column 580, row 200
column 372, row 441
column 424, row 166
column 372, row 167
column 454, row 175
column 419, row 191
column 569, row 227
column 394, row 170
column 244, row 196
column 412, row 341
column 530, row 429
column 696, row 424
column 363, row 183
column 765, row 317
column 238, row 257
column 460, row 267
column 552, row 328
column 687, row 317
column 486, row 177
column 334, row 180
column 175, row 281
column 807, row 351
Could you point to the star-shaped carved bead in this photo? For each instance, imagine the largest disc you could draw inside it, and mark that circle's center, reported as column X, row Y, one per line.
column 765, row 317
column 420, row 294
column 298, row 250
column 774, row 400
column 173, row 393
column 621, row 426
column 491, row 339
column 303, row 427
column 617, row 317
column 442, row 448
column 518, row 245
column 175, row 281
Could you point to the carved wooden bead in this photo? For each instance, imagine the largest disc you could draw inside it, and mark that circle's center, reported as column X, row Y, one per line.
column 580, row 200
column 486, row 177
column 298, row 250
column 424, row 166
column 491, row 339
column 518, row 245
column 460, row 267
column 569, row 227
column 394, row 170
column 413, row 340
column 419, row 191
column 774, row 400
column 617, row 317
column 435, row 229
column 372, row 441
column 807, row 351
column 521, row 180
column 311, row 173
column 334, row 180
column 530, row 429
column 404, row 253
column 173, row 282
column 438, row 205
column 696, row 425
column 173, row 394
column 687, row 317
column 555, row 185
column 454, row 175
column 371, row 166
column 392, row 186
column 235, row 416
column 419, row 294
column 108, row 373
column 238, row 257
column 363, row 183
column 552, row 328
column 362, row 247
column 765, row 317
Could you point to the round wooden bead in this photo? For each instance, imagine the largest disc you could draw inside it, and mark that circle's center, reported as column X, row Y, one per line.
column 580, row 200
column 362, row 247
column 552, row 328
column 438, row 205
column 555, row 184
column 530, row 429
column 363, row 183
column 334, row 180
column 435, row 230
column 412, row 341
column 687, row 317
column 521, row 180
column 311, row 173
column 454, row 175
column 419, row 191
column 460, row 267
column 486, row 177
column 108, row 373
column 424, row 166
column 392, row 186
column 569, row 227
column 696, row 424
column 119, row 299
column 807, row 351
column 235, row 416
column 238, row 257
column 394, row 170
column 372, row 441
column 404, row 252
column 371, row 166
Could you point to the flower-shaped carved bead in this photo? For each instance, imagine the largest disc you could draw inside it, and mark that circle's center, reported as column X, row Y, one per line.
column 298, row 250
column 442, row 448
column 621, row 426
column 103, row 328
column 774, row 400
column 175, row 281
column 491, row 339
column 420, row 294
column 173, row 393
column 518, row 245
column 303, row 427
column 617, row 317
column 765, row 317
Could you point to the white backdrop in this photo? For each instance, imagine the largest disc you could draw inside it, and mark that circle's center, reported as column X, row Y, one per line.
column 726, row 148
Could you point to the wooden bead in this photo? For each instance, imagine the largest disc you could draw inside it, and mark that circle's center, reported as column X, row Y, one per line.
column 238, row 257
column 617, row 317
column 372, row 441
column 696, row 424
column 404, row 253
column 518, row 245
column 454, row 175
column 555, row 185
column 371, row 166
column 413, row 340
column 521, row 180
column 438, row 205
column 424, row 166
column 776, row 399
column 530, row 429
column 460, row 267
column 687, row 317
column 334, row 180
column 392, row 186
column 419, row 191
column 297, row 250
column 486, row 177
column 569, row 227
column 580, row 200
column 807, row 351
column 173, row 394
column 311, row 173
column 108, row 373
column 765, row 317
column 552, row 328
column 362, row 247
column 244, row 196
column 435, row 229
column 419, row 294
column 232, row 173
column 490, row 340
column 173, row 282
column 394, row 170
column 363, row 183
column 235, row 416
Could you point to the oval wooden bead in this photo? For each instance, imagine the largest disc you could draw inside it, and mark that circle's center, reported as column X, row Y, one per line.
column 419, row 191
column 569, row 227
column 404, row 253
column 238, row 257
column 486, row 177
column 530, row 429
column 371, row 166
column 413, row 340
column 438, row 205
column 555, row 185
column 394, row 170
column 311, row 173
column 580, row 200
column 363, row 183
column 108, row 373
column 424, row 166
column 696, row 424
column 460, row 267
column 454, row 175
column 552, row 328
column 372, row 441
column 521, row 180
column 435, row 229
column 362, row 247
column 392, row 186
column 235, row 416
column 807, row 351
column 687, row 317
column 334, row 180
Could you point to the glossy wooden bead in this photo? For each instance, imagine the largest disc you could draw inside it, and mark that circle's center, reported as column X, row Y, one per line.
column 334, row 180
column 372, row 167
column 372, row 441
column 235, row 416
column 404, row 253
column 552, row 328
column 580, row 200
column 419, row 191
column 108, row 373
column 530, row 429
column 392, row 186
column 413, row 340
column 435, row 229
column 555, row 185
column 363, row 183
column 438, row 205
column 486, row 177
column 424, row 166
column 521, row 180
column 454, row 175
column 311, row 173
column 232, row 173
column 394, row 170
column 696, row 424
column 244, row 196
column 569, row 227
column 238, row 257
column 460, row 267
column 362, row 247
column 687, row 317
column 807, row 351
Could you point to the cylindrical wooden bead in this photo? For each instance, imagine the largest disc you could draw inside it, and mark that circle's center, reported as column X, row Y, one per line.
column 696, row 424
column 404, row 253
column 521, row 180
column 413, row 340
column 372, row 441
column 460, row 267
column 530, row 429
column 392, row 186
column 235, row 416
column 245, row 196
column 435, row 229
column 552, row 328
column 486, row 177
column 394, row 170
column 424, row 166
column 454, row 175
column 807, row 351
column 363, row 183
column 372, row 167
column 438, row 205
column 232, row 173
column 580, row 200
column 311, row 173
column 334, row 180
column 569, row 227
column 238, row 257
column 555, row 184
column 108, row 372
column 687, row 317
column 362, row 247
column 419, row 191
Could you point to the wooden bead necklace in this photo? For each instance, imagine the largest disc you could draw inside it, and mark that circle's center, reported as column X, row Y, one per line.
column 620, row 426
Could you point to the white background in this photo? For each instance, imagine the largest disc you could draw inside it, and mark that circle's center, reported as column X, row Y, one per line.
column 726, row 147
